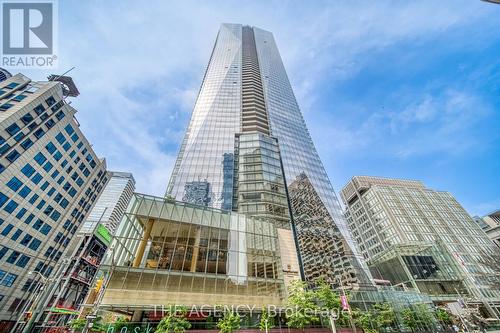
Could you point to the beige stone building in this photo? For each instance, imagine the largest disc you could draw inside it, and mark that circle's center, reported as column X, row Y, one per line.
column 421, row 239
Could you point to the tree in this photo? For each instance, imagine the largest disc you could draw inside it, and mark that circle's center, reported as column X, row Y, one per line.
column 329, row 300
column 77, row 324
column 174, row 321
column 266, row 320
column 383, row 315
column 379, row 316
column 425, row 317
column 366, row 321
column 327, row 297
column 302, row 306
column 418, row 316
column 229, row 322
column 409, row 319
column 120, row 323
column 98, row 325
column 443, row 316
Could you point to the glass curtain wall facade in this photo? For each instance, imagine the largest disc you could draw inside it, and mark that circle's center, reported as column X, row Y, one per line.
column 325, row 253
column 247, row 139
column 424, row 268
column 216, row 118
column 170, row 252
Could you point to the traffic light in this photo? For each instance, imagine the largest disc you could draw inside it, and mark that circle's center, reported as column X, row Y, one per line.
column 98, row 284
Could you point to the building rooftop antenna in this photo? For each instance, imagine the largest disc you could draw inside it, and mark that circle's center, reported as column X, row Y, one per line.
column 68, row 85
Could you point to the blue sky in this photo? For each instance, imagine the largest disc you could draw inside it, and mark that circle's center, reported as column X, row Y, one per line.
column 407, row 89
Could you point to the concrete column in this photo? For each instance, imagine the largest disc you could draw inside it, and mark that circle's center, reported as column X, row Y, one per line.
column 137, row 316
column 144, row 241
column 196, row 249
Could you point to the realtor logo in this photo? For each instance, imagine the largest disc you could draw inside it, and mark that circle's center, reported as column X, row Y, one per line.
column 28, row 33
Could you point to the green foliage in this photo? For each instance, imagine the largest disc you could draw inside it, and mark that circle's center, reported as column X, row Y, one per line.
column 418, row 316
column 266, row 321
column 174, row 321
column 327, row 297
column 229, row 322
column 302, row 305
column 409, row 318
column 98, row 325
column 120, row 323
column 77, row 324
column 383, row 315
column 379, row 316
column 366, row 321
column 424, row 315
column 344, row 319
column 443, row 316
column 329, row 300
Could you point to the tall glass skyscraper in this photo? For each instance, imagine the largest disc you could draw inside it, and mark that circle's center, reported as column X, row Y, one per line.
column 247, row 140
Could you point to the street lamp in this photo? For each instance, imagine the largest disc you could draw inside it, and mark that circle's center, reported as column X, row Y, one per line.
column 47, row 293
column 34, row 297
column 44, row 279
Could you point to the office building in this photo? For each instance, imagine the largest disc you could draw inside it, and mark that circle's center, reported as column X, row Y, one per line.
column 480, row 222
column 247, row 140
column 88, row 249
column 4, row 74
column 50, row 178
column 112, row 202
column 421, row 239
column 225, row 232
column 491, row 225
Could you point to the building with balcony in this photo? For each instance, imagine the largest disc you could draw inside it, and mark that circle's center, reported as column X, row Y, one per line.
column 87, row 251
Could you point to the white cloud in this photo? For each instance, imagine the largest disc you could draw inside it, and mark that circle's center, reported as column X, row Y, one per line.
column 335, row 42
column 442, row 123
column 124, row 49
